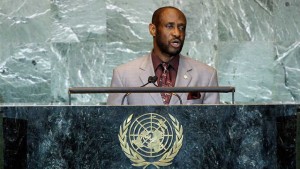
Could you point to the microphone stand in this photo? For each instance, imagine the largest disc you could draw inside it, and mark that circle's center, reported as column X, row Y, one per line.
column 151, row 79
column 125, row 95
column 175, row 94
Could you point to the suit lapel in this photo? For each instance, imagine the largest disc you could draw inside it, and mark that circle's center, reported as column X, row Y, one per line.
column 147, row 70
column 183, row 77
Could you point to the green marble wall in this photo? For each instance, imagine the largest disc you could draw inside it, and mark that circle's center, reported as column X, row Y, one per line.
column 47, row 46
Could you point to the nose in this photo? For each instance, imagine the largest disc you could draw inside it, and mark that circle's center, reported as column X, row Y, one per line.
column 176, row 32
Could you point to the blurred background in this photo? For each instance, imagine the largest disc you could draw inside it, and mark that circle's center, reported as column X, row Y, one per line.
column 47, row 46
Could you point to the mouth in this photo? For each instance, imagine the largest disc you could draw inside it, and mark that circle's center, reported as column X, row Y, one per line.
column 176, row 43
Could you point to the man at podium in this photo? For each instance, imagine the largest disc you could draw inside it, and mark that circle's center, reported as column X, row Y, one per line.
column 168, row 67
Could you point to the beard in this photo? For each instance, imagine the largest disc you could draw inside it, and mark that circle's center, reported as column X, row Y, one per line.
column 166, row 48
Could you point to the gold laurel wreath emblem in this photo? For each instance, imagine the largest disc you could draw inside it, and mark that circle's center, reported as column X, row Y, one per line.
column 137, row 159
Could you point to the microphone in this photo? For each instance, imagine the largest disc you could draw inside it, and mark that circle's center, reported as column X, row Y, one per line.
column 151, row 79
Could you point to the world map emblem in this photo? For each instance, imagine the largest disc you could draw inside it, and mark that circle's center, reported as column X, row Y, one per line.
column 151, row 139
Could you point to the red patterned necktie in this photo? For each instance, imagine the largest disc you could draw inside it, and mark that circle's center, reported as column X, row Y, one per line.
column 165, row 81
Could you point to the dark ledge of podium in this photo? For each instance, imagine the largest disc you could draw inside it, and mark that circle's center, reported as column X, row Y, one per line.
column 214, row 136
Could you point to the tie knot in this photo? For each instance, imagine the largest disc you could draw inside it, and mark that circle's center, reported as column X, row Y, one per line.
column 165, row 65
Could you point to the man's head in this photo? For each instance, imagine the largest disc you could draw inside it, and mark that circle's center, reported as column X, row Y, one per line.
column 168, row 31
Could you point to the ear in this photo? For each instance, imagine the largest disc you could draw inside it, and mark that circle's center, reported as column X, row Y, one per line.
column 152, row 29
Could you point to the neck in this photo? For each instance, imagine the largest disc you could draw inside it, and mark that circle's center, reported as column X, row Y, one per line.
column 162, row 56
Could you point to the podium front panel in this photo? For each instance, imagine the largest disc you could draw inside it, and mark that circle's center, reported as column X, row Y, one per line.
column 198, row 136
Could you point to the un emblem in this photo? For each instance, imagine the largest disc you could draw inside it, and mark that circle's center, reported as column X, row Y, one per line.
column 151, row 139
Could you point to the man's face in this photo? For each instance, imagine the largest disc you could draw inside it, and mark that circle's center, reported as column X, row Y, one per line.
column 170, row 32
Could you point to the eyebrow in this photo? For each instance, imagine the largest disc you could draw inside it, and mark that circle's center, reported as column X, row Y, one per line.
column 173, row 23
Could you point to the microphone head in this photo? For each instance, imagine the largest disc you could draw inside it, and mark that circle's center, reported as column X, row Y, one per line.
column 152, row 79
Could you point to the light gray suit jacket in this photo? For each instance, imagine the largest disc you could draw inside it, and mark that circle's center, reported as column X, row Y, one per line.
column 190, row 73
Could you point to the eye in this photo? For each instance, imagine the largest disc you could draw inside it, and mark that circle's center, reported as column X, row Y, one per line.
column 169, row 26
column 182, row 28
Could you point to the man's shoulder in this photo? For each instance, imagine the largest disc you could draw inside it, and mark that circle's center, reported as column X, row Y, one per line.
column 135, row 63
column 198, row 65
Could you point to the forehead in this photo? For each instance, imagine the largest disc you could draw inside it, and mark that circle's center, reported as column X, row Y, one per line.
column 172, row 15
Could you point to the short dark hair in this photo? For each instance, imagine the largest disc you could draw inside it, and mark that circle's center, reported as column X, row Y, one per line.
column 157, row 13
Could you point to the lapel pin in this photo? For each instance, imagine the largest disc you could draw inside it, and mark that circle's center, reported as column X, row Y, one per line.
column 185, row 76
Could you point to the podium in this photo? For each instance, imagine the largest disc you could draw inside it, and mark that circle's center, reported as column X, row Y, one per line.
column 213, row 136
